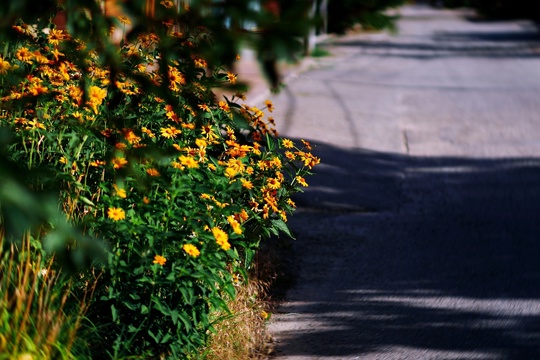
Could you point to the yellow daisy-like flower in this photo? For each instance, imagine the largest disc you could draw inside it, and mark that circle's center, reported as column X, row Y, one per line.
column 191, row 250
column 234, row 224
column 301, row 181
column 119, row 162
column 273, row 183
column 223, row 106
column 247, row 184
column 148, row 132
column 269, row 105
column 204, row 107
column 119, row 191
column 161, row 260
column 222, row 239
column 95, row 97
column 56, row 36
column 25, row 55
column 170, row 132
column 201, row 63
column 287, row 143
column 116, row 214
column 4, row 66
column 188, row 161
column 201, row 143
column 230, row 172
column 231, row 77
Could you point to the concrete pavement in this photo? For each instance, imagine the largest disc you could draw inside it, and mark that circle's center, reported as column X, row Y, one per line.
column 419, row 236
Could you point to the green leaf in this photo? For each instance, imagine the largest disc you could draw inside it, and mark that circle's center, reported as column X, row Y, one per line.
column 282, row 226
column 144, row 309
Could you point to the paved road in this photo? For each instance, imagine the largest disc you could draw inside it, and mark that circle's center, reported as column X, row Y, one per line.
column 419, row 238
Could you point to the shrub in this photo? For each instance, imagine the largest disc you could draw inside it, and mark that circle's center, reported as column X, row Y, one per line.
column 371, row 14
column 181, row 185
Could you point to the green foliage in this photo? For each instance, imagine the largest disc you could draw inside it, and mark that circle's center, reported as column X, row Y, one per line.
column 180, row 185
column 371, row 14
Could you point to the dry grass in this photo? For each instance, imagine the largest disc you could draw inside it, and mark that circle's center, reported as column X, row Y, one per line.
column 33, row 318
column 242, row 335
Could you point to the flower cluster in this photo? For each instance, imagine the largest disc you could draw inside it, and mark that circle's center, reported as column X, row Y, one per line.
column 181, row 184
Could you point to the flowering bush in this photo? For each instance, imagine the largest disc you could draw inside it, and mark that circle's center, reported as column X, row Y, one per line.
column 182, row 186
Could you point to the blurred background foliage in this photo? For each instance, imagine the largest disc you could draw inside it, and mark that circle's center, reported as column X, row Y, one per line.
column 370, row 14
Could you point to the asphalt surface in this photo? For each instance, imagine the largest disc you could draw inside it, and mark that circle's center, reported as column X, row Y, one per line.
column 419, row 236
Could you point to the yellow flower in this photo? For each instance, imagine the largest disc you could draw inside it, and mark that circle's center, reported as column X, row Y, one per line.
column 204, row 107
column 119, row 162
column 201, row 63
column 231, row 77
column 131, row 137
column 124, row 20
column 222, row 239
column 116, row 214
column 167, row 3
column 243, row 215
column 97, row 163
column 4, row 66
column 223, row 106
column 34, row 124
column 201, row 143
column 25, row 55
column 290, row 155
column 55, row 36
column 119, row 191
column 191, row 250
column 247, row 184
column 230, row 172
column 95, row 97
column 287, row 143
column 269, row 105
column 234, row 224
column 148, row 132
column 158, row 259
column 301, row 181
column 291, row 203
column 188, row 161
column 170, row 132
column 273, row 183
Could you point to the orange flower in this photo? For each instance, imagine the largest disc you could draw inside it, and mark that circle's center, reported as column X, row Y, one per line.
column 161, row 260
column 152, row 172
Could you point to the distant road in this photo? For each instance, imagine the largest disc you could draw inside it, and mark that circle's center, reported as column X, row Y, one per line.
column 419, row 237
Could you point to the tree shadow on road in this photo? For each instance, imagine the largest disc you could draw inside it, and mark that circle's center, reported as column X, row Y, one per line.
column 427, row 257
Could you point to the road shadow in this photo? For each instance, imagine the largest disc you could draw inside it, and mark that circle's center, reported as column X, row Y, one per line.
column 427, row 257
